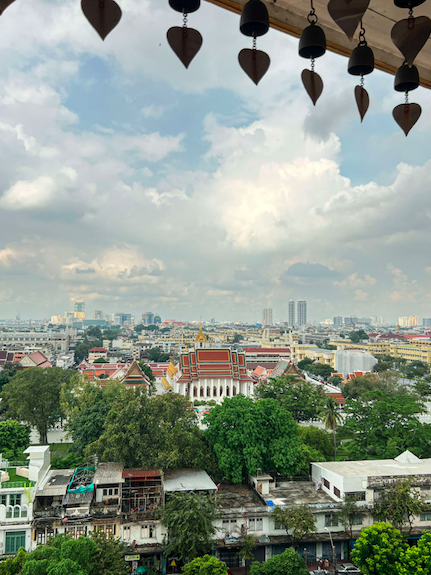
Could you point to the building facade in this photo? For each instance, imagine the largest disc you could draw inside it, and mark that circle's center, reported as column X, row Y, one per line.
column 291, row 313
column 301, row 312
column 267, row 316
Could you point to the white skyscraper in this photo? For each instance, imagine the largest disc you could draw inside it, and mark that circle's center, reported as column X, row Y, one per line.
column 267, row 316
column 291, row 313
column 302, row 312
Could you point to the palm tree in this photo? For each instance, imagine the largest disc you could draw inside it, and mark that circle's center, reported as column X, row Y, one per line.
column 332, row 418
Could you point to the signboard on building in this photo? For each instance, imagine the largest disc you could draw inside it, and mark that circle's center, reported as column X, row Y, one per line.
column 132, row 557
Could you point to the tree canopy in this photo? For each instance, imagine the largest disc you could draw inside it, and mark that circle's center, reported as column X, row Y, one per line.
column 206, row 565
column 399, row 504
column 297, row 520
column 303, row 400
column 155, row 354
column 379, row 549
column 385, row 426
column 387, row 382
column 14, row 438
column 33, row 396
column 147, row 370
column 320, row 369
column 247, row 435
column 357, row 336
column 160, row 431
column 188, row 517
column 287, row 563
column 93, row 555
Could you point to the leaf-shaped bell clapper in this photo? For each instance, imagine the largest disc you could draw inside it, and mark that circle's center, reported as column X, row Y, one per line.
column 406, row 78
column 312, row 43
column 185, row 6
column 361, row 61
column 254, row 19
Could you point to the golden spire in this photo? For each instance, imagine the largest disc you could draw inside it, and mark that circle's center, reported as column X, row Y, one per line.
column 201, row 336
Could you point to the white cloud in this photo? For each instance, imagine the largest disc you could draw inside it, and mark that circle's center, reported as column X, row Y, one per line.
column 28, row 195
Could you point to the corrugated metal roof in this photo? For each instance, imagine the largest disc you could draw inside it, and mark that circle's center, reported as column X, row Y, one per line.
column 55, row 483
column 188, row 480
column 109, row 473
column 128, row 473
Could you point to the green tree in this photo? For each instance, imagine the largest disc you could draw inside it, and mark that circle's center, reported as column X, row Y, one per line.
column 379, row 550
column 305, row 363
column 357, row 336
column 33, row 396
column 335, row 380
column 236, row 337
column 109, row 557
column 246, row 546
column 387, row 382
column 423, row 389
column 156, row 355
column 147, row 370
column 399, row 504
column 247, row 435
column 94, row 332
column 9, row 370
column 100, row 360
column 297, row 520
column 86, row 407
column 14, row 565
column 349, row 512
column 303, row 400
column 206, row 565
column 385, row 426
column 14, row 438
column 417, row 559
column 165, row 426
column 82, row 349
column 331, row 419
column 317, row 439
column 188, row 517
column 320, row 369
column 287, row 563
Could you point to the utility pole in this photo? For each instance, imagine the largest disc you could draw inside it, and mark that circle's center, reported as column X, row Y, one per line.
column 334, row 554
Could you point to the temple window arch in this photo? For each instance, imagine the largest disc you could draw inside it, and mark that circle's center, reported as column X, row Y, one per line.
column 227, row 391
column 201, row 391
column 221, row 391
column 234, row 391
column 208, row 391
column 195, row 392
column 214, row 391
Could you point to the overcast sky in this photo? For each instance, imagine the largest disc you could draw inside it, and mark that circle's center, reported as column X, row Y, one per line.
column 136, row 185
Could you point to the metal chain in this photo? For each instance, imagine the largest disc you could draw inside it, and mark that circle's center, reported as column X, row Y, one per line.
column 362, row 41
column 362, row 81
column 312, row 64
column 312, row 17
column 407, row 98
column 184, row 19
column 254, row 41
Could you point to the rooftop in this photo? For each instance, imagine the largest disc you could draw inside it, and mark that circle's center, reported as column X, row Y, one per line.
column 404, row 464
column 109, row 473
column 129, row 473
column 236, row 496
column 188, row 480
column 55, row 482
column 296, row 493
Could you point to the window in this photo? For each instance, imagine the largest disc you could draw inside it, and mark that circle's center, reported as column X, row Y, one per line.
column 16, row 511
column 425, row 516
column 14, row 541
column 357, row 495
column 357, row 520
column 116, row 491
column 15, row 499
column 152, row 531
column 331, row 520
column 105, row 492
column 3, row 500
column 81, row 530
column 41, row 537
column 326, row 483
column 9, row 513
column 110, row 491
column 336, row 491
column 23, row 511
column 110, row 529
column 229, row 525
column 255, row 524
column 126, row 533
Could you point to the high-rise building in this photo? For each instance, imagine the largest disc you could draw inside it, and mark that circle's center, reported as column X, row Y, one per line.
column 413, row 320
column 79, row 309
column 121, row 318
column 267, row 316
column 408, row 321
column 301, row 312
column 350, row 321
column 338, row 321
column 426, row 321
column 148, row 318
column 98, row 314
column 291, row 313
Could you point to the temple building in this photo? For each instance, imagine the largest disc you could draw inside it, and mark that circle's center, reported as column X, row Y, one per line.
column 208, row 373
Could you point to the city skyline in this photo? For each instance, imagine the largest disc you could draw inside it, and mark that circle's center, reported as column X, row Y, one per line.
column 113, row 193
